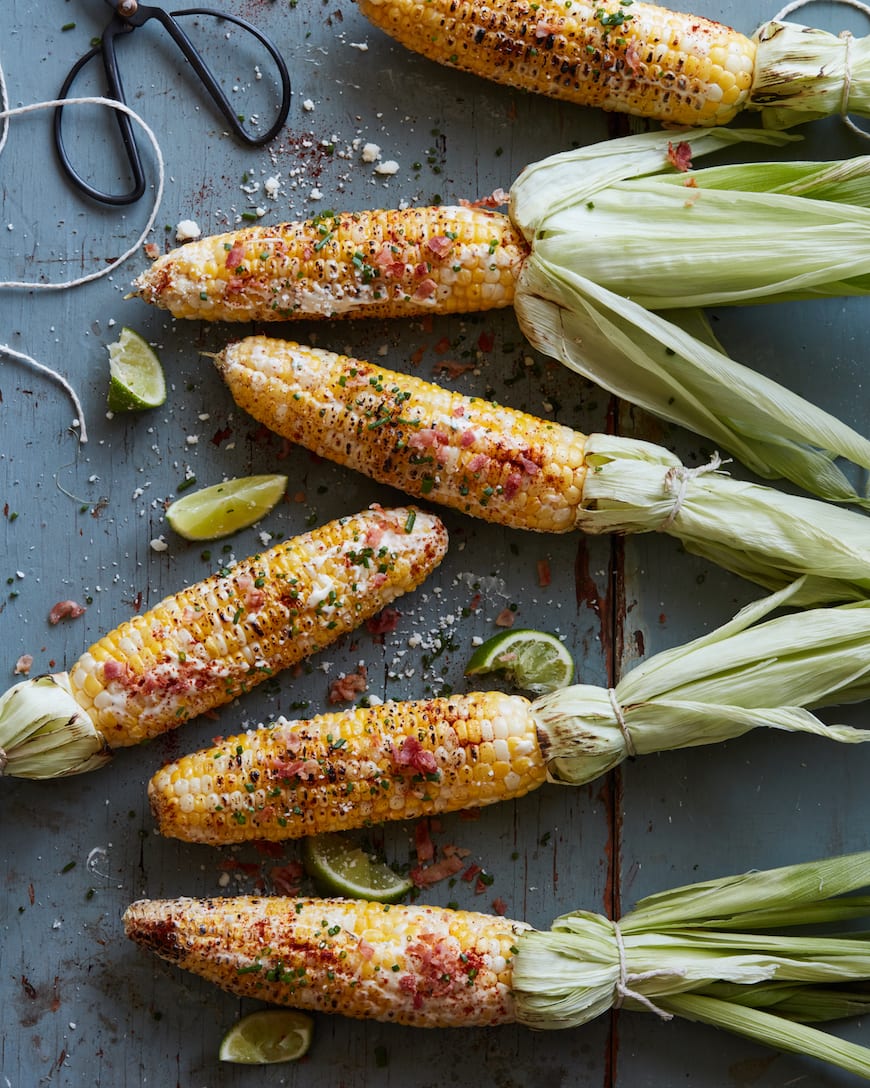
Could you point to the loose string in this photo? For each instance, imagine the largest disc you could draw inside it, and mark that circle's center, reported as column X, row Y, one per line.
column 677, row 480
column 630, row 749
column 847, row 38
column 6, row 113
column 624, row 988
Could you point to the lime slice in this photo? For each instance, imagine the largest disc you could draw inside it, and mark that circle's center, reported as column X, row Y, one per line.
column 225, row 508
column 339, row 866
column 263, row 1038
column 534, row 660
column 135, row 374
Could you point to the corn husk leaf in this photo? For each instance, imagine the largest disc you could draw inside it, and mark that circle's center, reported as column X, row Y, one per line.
column 752, row 672
column 802, row 74
column 44, row 733
column 595, row 219
column 694, row 952
column 765, row 535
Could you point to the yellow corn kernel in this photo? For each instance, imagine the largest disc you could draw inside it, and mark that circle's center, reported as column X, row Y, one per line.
column 393, row 761
column 371, row 263
column 414, row 965
column 489, row 461
column 210, row 643
column 632, row 58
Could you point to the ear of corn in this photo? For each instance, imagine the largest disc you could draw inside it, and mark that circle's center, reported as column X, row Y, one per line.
column 630, row 57
column 208, row 644
column 372, row 263
column 360, row 767
column 421, row 966
column 484, row 459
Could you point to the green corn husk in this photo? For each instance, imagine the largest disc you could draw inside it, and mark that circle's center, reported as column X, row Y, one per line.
column 752, row 672
column 710, row 952
column 44, row 733
column 765, row 535
column 616, row 233
column 801, row 74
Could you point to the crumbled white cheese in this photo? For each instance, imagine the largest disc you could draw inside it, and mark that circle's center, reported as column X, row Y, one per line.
column 187, row 231
column 371, row 153
column 315, row 194
column 308, row 105
column 388, row 167
column 159, row 544
column 272, row 186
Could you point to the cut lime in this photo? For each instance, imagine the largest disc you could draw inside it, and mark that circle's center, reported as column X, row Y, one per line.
column 534, row 660
column 339, row 866
column 225, row 508
column 262, row 1038
column 135, row 374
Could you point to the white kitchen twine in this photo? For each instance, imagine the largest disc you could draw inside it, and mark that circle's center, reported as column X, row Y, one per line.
column 847, row 38
column 677, row 480
column 630, row 749
column 5, row 114
column 626, row 979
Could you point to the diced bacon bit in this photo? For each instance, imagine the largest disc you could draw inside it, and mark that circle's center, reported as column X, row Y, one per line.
column 268, row 849
column 496, row 199
column 254, row 597
column 471, row 872
column 426, row 438
column 366, row 950
column 287, row 735
column 477, row 462
column 65, row 610
column 417, row 356
column 469, row 814
column 374, row 534
column 512, row 485
column 680, row 156
column 529, row 466
column 287, row 879
column 449, row 865
column 377, row 580
column 221, row 436
column 474, row 603
column 544, row 29
column 481, row 885
column 305, row 769
column 233, row 865
column 385, row 258
column 413, row 757
column 423, row 843
column 442, row 345
column 632, row 58
column 505, row 618
column 486, row 341
column 384, row 622
column 467, row 438
column 235, row 256
column 345, row 688
column 544, row 577
column 23, row 665
column 441, row 246
column 499, row 906
column 458, row 411
column 426, row 289
column 152, row 250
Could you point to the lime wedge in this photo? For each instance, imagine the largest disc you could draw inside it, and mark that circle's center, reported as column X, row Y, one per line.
column 263, row 1038
column 339, row 866
column 534, row 660
column 135, row 374
column 221, row 509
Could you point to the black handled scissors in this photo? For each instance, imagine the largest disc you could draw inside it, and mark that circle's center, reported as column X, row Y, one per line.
column 128, row 15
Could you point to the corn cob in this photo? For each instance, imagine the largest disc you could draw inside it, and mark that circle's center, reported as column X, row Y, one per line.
column 375, row 264
column 630, row 57
column 421, row 966
column 483, row 459
column 363, row 766
column 204, row 646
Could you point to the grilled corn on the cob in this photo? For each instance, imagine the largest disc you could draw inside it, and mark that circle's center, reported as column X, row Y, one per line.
column 204, row 646
column 422, row 966
column 630, row 57
column 483, row 459
column 372, row 263
column 363, row 766
column 514, row 469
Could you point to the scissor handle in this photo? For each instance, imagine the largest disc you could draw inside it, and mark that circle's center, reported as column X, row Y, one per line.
column 115, row 90
column 124, row 24
column 212, row 85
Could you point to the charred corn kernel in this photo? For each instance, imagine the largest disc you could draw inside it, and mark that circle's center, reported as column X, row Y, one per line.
column 415, row 965
column 486, row 460
column 338, row 771
column 629, row 57
column 210, row 643
column 372, row 263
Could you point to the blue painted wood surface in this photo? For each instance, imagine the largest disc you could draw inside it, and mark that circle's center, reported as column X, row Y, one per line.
column 79, row 1004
